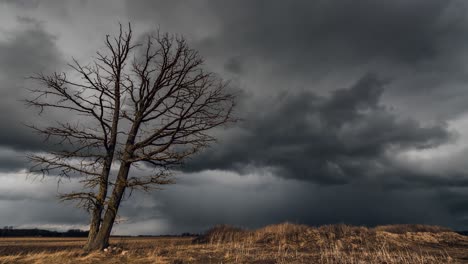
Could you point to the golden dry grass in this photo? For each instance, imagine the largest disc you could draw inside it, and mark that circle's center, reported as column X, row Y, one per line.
column 283, row 243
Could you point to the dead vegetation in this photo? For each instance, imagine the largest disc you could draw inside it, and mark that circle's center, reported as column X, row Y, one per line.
column 283, row 243
column 402, row 229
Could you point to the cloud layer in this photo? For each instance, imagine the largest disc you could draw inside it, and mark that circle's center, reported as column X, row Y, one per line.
column 353, row 111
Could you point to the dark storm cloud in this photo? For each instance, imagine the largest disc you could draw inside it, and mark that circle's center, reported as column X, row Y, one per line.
column 57, row 7
column 234, row 65
column 11, row 161
column 398, row 30
column 307, row 33
column 254, row 201
column 23, row 53
column 353, row 133
column 331, row 139
column 202, row 200
column 22, row 3
column 420, row 44
column 43, row 211
column 321, row 141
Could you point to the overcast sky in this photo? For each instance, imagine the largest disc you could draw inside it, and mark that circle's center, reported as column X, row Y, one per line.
column 354, row 111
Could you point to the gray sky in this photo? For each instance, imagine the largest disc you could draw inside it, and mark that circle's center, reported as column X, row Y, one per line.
column 353, row 111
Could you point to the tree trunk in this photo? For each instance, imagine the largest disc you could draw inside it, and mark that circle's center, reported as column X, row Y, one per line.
column 98, row 207
column 104, row 181
column 93, row 228
column 101, row 239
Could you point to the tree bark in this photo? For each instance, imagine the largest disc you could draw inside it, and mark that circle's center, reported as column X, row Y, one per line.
column 101, row 239
column 98, row 206
column 93, row 228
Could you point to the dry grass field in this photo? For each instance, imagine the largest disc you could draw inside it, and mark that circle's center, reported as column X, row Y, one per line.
column 284, row 243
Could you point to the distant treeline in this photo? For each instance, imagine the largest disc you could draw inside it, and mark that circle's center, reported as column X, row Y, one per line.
column 11, row 232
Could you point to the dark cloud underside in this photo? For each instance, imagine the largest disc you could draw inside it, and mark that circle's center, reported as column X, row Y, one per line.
column 331, row 139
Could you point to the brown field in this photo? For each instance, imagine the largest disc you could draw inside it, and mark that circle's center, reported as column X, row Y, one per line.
column 284, row 243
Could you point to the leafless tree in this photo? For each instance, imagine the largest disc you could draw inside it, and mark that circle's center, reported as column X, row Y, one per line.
column 146, row 103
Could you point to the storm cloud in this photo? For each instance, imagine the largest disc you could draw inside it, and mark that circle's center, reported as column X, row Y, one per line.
column 22, row 58
column 324, row 139
column 351, row 111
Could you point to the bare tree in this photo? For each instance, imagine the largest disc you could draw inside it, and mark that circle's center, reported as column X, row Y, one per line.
column 146, row 103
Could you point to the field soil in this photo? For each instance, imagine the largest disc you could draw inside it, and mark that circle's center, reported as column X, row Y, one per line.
column 284, row 243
